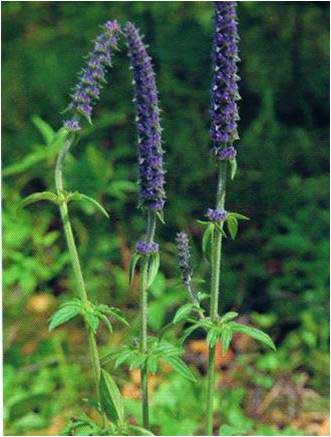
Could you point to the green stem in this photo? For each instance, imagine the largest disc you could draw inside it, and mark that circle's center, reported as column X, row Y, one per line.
column 216, row 250
column 74, row 258
column 151, row 224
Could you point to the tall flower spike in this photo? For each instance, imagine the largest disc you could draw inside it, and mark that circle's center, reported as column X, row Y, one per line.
column 184, row 256
column 224, row 111
column 91, row 77
column 150, row 153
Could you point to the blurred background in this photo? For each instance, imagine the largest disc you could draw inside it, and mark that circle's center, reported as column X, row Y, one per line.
column 276, row 272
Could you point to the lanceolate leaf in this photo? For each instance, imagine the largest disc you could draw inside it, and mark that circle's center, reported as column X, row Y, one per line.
column 226, row 337
column 64, row 314
column 238, row 216
column 213, row 336
column 152, row 363
column 206, row 239
column 137, row 430
column 229, row 316
column 180, row 367
column 114, row 312
column 36, row 197
column 153, row 268
column 183, row 312
column 254, row 333
column 92, row 320
column 135, row 258
column 232, row 224
column 79, row 197
column 233, row 165
column 110, row 398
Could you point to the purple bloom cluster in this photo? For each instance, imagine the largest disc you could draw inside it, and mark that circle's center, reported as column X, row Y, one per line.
column 72, row 125
column 147, row 248
column 150, row 154
column 224, row 111
column 183, row 250
column 92, row 76
column 216, row 215
column 226, row 153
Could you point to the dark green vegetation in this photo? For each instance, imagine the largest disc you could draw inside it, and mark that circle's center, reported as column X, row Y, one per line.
column 277, row 270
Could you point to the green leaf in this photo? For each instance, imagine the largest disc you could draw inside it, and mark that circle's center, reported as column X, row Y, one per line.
column 135, row 258
column 36, row 197
column 106, row 322
column 65, row 313
column 114, row 312
column 233, row 166
column 166, row 349
column 152, row 363
column 205, row 324
column 229, row 316
column 207, row 238
column 153, row 268
column 110, row 398
column 123, row 356
column 232, row 224
column 219, row 227
column 226, row 337
column 160, row 216
column 203, row 222
column 137, row 360
column 202, row 296
column 213, row 336
column 44, row 128
column 254, row 333
column 138, row 430
column 238, row 216
column 180, row 367
column 92, row 320
column 183, row 312
column 79, row 197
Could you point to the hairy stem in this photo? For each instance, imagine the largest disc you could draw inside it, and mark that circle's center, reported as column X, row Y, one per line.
column 151, row 224
column 216, row 250
column 74, row 258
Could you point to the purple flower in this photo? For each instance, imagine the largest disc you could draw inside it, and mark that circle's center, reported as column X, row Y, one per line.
column 92, row 76
column 224, row 111
column 226, row 153
column 183, row 249
column 150, row 153
column 72, row 125
column 147, row 248
column 216, row 215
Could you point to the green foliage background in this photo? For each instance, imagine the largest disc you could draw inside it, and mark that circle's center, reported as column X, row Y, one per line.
column 277, row 269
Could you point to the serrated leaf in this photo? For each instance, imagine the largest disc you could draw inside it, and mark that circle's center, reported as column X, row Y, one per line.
column 166, row 349
column 135, row 258
column 110, row 398
column 234, row 167
column 232, row 224
column 114, row 312
column 229, row 316
column 179, row 366
column 183, row 312
column 153, row 268
column 226, row 337
column 83, row 197
column 65, row 313
column 238, row 216
column 138, row 360
column 213, row 336
column 36, row 197
column 106, row 322
column 138, row 430
column 207, row 238
column 92, row 320
column 254, row 333
column 123, row 356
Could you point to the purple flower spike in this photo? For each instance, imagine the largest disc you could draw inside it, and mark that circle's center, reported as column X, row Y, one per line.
column 227, row 153
column 150, row 153
column 183, row 249
column 147, row 248
column 224, row 111
column 216, row 215
column 72, row 125
column 92, row 76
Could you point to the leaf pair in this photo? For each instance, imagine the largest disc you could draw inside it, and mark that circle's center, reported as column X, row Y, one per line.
column 63, row 197
column 152, row 269
column 92, row 314
column 185, row 311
